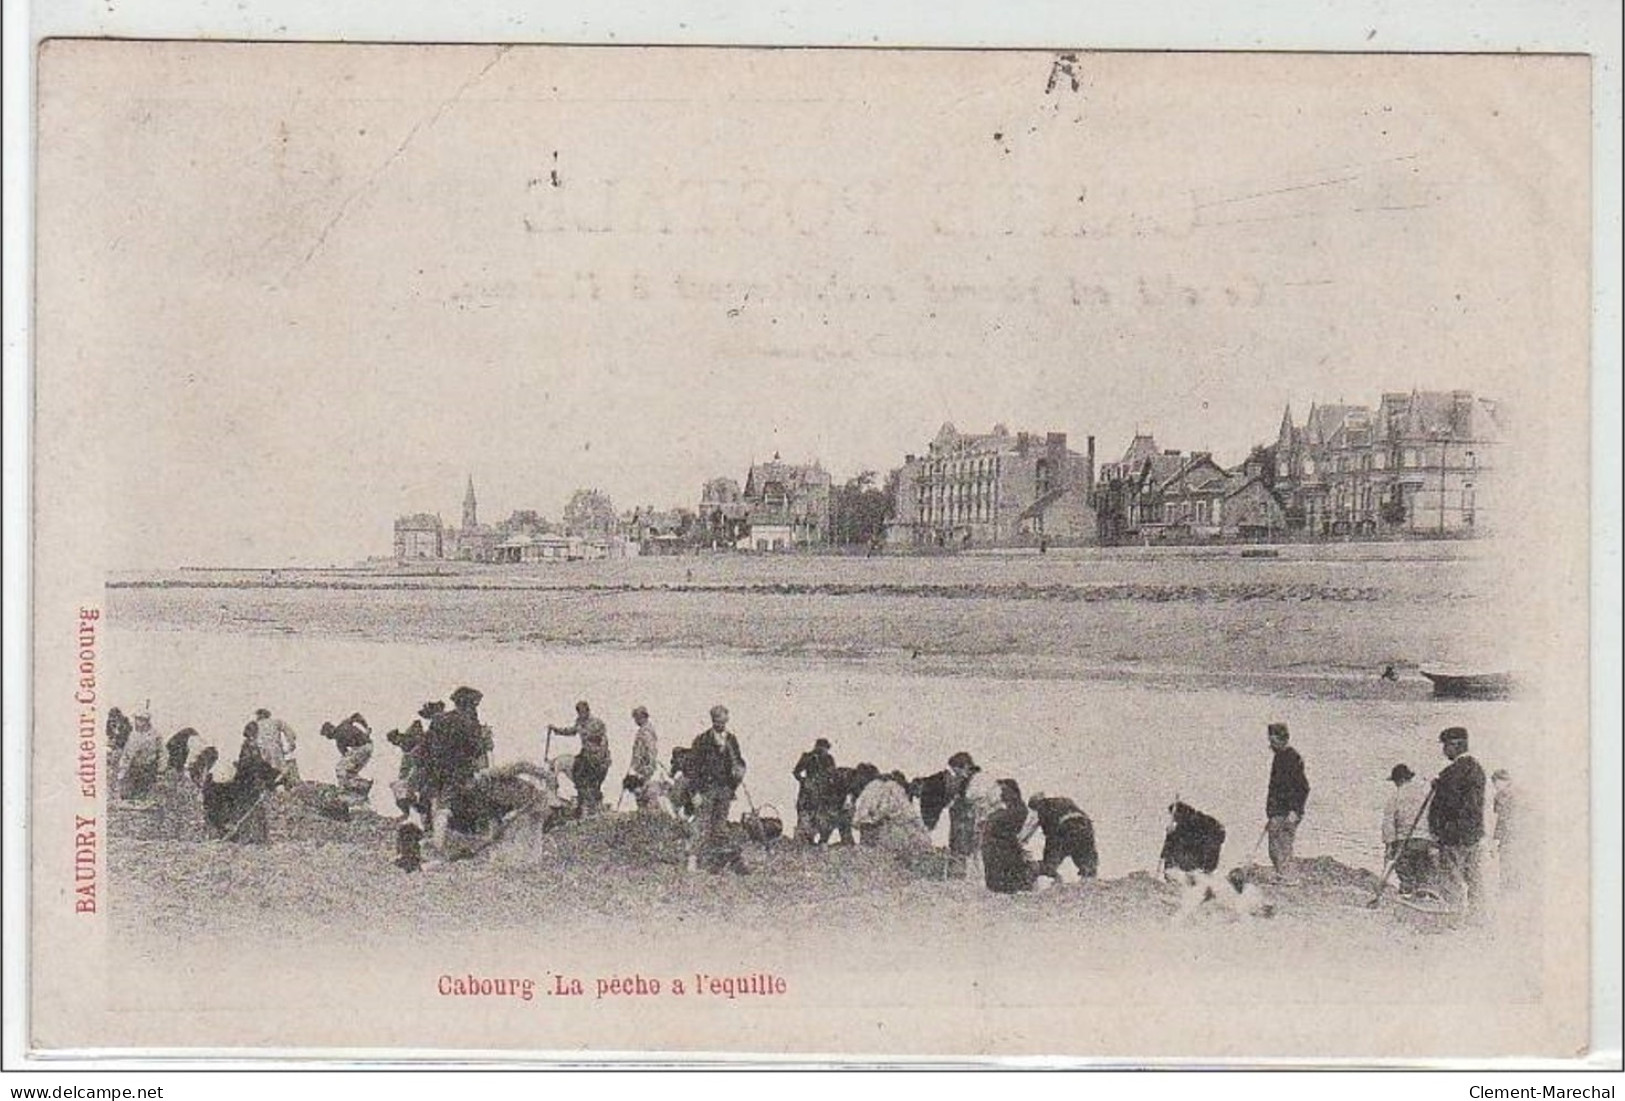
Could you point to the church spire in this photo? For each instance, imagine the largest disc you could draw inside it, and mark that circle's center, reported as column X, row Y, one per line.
column 470, row 507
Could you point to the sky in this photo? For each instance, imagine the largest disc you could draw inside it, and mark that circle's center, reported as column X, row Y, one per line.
column 292, row 292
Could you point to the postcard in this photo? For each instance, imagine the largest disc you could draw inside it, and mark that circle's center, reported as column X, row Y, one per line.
column 550, row 551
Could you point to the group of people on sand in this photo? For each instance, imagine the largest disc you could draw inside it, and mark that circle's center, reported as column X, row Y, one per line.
column 450, row 797
column 230, row 788
column 990, row 820
column 1434, row 834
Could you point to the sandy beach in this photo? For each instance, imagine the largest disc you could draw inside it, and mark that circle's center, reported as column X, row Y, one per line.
column 1120, row 681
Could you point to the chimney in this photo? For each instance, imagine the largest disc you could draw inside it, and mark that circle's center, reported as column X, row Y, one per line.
column 1089, row 453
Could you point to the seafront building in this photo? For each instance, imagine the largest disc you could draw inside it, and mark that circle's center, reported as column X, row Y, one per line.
column 782, row 506
column 1419, row 464
column 1156, row 495
column 788, row 505
column 524, row 537
column 1000, row 488
column 419, row 536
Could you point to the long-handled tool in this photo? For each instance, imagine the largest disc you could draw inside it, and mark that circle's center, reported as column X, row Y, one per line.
column 229, row 834
column 1263, row 833
column 1388, row 869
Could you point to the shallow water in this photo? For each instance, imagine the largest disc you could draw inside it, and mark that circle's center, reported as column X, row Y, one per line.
column 1122, row 750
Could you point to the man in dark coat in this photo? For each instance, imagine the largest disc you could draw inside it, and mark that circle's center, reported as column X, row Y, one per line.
column 450, row 754
column 837, row 793
column 934, row 793
column 1284, row 804
column 1004, row 863
column 1068, row 834
column 1456, row 819
column 814, row 772
column 962, row 839
column 1193, row 841
column 715, row 768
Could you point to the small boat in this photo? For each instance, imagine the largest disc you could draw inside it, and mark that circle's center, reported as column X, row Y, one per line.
column 1470, row 686
column 1260, row 552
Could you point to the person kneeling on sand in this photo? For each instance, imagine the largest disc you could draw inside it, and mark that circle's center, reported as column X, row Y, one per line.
column 139, row 760
column 1068, row 835
column 1004, row 861
column 885, row 817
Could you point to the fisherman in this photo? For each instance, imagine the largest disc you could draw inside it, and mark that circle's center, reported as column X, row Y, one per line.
column 1004, row 862
column 1456, row 820
column 234, row 794
column 859, row 781
column 715, row 768
column 140, row 759
column 645, row 745
column 592, row 762
column 1285, row 801
column 182, row 748
column 1192, row 842
column 452, row 748
column 645, row 762
column 406, row 788
column 1510, row 845
column 1068, row 834
column 837, row 795
column 277, row 743
column 814, row 772
column 934, row 793
column 1405, row 837
column 118, row 732
column 885, row 817
column 961, row 813
column 353, row 739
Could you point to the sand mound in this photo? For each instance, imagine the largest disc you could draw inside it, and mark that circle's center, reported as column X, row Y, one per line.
column 175, row 813
column 604, row 841
column 298, row 817
column 1321, row 872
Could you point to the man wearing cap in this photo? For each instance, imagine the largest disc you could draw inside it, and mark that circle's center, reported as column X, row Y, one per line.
column 814, row 772
column 449, row 758
column 1406, row 840
column 592, row 762
column 1456, row 819
column 277, row 744
column 1068, row 834
column 645, row 761
column 715, row 768
column 1285, row 801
